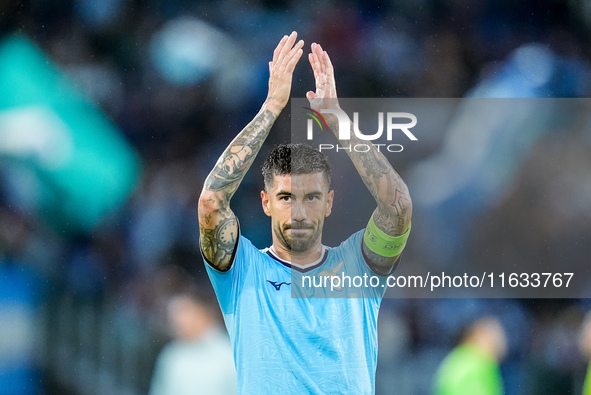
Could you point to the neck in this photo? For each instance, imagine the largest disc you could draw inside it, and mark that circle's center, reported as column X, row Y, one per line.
column 485, row 346
column 301, row 258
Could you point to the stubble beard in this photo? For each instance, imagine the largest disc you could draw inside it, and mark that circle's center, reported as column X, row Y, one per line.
column 297, row 244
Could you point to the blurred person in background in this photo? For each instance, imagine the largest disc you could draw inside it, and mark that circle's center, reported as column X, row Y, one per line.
column 199, row 359
column 20, row 295
column 472, row 368
column 585, row 342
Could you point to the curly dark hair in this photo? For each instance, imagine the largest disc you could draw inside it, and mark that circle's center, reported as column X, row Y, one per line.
column 295, row 159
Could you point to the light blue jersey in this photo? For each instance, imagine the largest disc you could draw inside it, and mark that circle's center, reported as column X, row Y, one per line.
column 289, row 345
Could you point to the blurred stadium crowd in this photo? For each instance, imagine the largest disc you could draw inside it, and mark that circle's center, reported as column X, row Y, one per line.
column 83, row 312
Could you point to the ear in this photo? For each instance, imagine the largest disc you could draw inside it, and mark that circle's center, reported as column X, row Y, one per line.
column 265, row 202
column 329, row 201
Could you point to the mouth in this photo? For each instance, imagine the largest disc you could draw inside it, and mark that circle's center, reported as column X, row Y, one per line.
column 299, row 230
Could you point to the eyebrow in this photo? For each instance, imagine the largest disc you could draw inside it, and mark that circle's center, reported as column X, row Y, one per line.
column 287, row 193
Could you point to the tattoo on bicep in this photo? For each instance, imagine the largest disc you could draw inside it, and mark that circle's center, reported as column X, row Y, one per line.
column 218, row 244
column 206, row 218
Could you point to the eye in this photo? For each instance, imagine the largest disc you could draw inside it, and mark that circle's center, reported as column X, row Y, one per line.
column 285, row 198
column 313, row 198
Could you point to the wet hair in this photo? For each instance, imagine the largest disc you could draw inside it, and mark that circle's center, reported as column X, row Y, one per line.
column 295, row 159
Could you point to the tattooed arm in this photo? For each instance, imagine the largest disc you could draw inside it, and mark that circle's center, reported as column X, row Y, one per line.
column 393, row 213
column 217, row 223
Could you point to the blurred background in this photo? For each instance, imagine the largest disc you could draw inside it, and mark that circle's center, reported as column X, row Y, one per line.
column 113, row 112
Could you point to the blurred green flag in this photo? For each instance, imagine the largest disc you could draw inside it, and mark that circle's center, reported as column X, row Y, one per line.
column 62, row 158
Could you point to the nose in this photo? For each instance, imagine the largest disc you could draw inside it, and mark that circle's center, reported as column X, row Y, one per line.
column 298, row 211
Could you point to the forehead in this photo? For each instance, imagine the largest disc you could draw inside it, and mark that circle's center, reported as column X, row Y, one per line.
column 304, row 183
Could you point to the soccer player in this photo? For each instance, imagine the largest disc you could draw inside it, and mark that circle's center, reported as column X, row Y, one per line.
column 585, row 343
column 299, row 345
column 199, row 353
column 472, row 368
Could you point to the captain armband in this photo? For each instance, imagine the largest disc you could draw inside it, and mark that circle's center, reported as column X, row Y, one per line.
column 383, row 244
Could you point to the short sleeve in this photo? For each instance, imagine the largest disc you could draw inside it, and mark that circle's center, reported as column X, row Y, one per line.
column 374, row 285
column 228, row 284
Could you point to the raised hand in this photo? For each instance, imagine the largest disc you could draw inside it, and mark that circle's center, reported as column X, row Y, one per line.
column 285, row 57
column 325, row 96
column 217, row 223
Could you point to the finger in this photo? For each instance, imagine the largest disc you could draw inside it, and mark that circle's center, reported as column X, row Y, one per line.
column 290, row 66
column 318, row 78
column 315, row 63
column 312, row 61
column 330, row 74
column 278, row 49
column 289, row 61
column 318, row 51
column 313, row 56
column 287, row 46
column 310, row 95
column 330, row 79
column 324, row 61
column 328, row 63
column 294, row 51
column 299, row 45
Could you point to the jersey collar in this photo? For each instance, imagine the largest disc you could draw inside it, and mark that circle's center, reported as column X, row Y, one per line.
column 297, row 266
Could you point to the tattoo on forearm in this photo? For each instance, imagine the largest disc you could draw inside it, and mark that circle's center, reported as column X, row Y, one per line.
column 401, row 203
column 385, row 185
column 236, row 160
column 218, row 224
